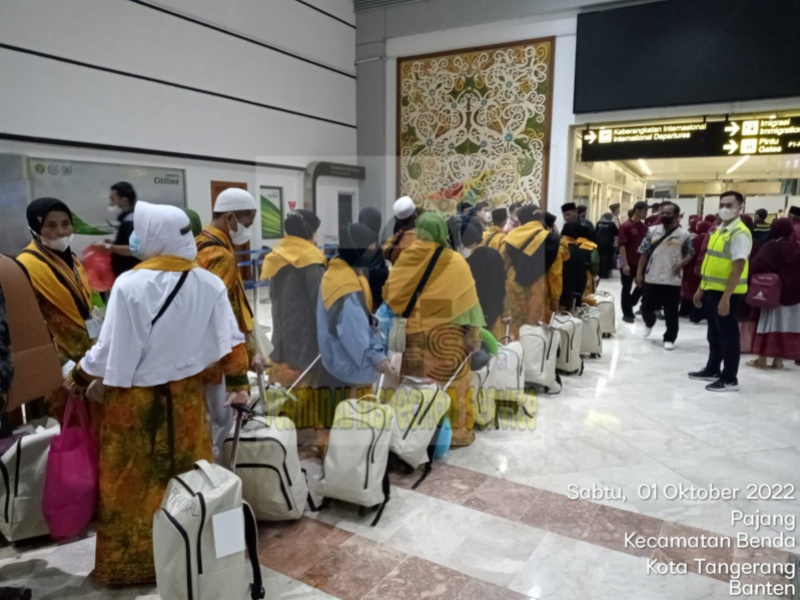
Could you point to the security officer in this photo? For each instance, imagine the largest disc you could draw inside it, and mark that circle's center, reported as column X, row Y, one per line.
column 721, row 292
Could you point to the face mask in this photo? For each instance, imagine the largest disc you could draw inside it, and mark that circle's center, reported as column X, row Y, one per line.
column 135, row 245
column 114, row 210
column 241, row 235
column 667, row 221
column 59, row 244
column 487, row 217
column 465, row 252
column 727, row 214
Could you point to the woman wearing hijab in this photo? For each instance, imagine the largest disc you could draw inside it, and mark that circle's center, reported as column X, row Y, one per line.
column 574, row 275
column 444, row 325
column 377, row 270
column 351, row 349
column 167, row 321
column 534, row 264
column 294, row 269
column 488, row 271
column 606, row 233
column 405, row 214
column 61, row 287
column 778, row 334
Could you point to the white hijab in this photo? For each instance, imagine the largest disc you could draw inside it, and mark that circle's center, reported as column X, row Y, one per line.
column 163, row 230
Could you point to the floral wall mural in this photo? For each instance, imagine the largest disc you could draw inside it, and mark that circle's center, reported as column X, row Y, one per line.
column 475, row 125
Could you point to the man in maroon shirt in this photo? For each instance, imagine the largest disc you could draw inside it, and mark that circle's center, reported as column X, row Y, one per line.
column 631, row 234
column 655, row 215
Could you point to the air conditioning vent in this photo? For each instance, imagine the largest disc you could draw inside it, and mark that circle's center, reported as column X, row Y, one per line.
column 362, row 5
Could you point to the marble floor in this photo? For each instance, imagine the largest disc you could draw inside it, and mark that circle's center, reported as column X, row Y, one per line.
column 497, row 521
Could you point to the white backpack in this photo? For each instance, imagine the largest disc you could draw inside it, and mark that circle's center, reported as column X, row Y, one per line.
column 592, row 338
column 540, row 344
column 569, row 352
column 197, row 507
column 273, row 483
column 22, row 473
column 483, row 397
column 419, row 409
column 354, row 468
column 507, row 377
column 608, row 312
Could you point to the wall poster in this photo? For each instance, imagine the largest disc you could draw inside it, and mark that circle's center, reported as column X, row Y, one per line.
column 271, row 212
column 474, row 125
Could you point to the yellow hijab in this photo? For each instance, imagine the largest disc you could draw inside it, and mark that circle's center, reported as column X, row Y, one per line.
column 449, row 293
column 292, row 252
column 42, row 266
column 341, row 279
column 518, row 236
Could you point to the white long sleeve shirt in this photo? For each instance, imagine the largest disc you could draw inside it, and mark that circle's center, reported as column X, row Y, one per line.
column 197, row 330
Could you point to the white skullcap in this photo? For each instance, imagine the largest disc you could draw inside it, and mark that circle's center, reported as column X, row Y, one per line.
column 234, row 199
column 404, row 208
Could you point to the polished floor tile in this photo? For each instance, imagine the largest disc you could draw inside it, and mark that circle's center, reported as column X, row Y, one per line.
column 415, row 578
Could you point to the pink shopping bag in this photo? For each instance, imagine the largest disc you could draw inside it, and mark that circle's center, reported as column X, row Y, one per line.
column 71, row 484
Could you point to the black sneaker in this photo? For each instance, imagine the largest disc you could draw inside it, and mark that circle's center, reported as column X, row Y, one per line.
column 704, row 375
column 629, row 319
column 723, row 386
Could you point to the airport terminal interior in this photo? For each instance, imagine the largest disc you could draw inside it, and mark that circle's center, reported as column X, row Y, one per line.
column 399, row 299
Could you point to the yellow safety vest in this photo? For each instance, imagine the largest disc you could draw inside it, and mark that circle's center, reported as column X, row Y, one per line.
column 718, row 262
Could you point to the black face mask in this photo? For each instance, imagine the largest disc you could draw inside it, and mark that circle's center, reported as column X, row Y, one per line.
column 667, row 221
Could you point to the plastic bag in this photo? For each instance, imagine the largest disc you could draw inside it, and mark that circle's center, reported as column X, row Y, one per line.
column 71, row 483
column 97, row 264
column 385, row 318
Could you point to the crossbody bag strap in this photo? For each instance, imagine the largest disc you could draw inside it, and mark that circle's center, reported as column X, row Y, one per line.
column 655, row 245
column 83, row 307
column 491, row 237
column 170, row 298
column 257, row 591
column 530, row 240
column 422, row 282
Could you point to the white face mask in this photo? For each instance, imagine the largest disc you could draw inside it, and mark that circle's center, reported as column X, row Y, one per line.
column 487, row 216
column 59, row 244
column 727, row 214
column 241, row 235
column 114, row 210
column 465, row 252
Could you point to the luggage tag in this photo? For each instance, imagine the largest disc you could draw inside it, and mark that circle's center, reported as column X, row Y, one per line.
column 228, row 532
column 93, row 326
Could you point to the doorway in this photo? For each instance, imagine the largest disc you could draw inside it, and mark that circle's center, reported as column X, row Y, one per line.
column 346, row 201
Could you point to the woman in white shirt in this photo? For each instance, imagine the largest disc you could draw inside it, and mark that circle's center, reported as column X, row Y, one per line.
column 167, row 321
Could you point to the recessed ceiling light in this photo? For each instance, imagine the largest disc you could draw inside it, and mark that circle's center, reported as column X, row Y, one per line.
column 645, row 169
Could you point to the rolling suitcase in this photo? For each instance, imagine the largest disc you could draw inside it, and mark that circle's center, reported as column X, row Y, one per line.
column 540, row 345
column 507, row 379
column 608, row 312
column 569, row 353
column 592, row 338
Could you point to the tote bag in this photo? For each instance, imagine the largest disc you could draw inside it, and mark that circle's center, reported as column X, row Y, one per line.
column 71, row 484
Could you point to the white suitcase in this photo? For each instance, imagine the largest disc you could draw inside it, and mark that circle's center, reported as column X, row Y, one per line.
column 273, row 483
column 419, row 409
column 540, row 345
column 354, row 468
column 569, row 353
column 608, row 313
column 184, row 531
column 592, row 338
column 22, row 473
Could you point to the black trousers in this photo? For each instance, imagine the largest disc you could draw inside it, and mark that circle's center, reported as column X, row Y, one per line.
column 607, row 256
column 629, row 298
column 655, row 298
column 723, row 336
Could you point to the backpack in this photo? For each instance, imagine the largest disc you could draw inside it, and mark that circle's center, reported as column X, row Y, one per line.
column 507, row 377
column 608, row 312
column 354, row 467
column 273, row 483
column 569, row 352
column 22, row 475
column 419, row 410
column 540, row 344
column 198, row 507
column 592, row 338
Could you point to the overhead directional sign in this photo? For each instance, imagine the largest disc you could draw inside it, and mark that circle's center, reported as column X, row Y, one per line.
column 719, row 138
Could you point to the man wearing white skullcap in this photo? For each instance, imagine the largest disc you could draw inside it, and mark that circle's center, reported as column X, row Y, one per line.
column 234, row 213
column 405, row 215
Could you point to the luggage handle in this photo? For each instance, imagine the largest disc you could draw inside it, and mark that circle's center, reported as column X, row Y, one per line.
column 458, row 370
column 205, row 469
column 289, row 392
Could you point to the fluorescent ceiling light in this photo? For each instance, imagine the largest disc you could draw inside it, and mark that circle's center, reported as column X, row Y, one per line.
column 645, row 169
column 738, row 163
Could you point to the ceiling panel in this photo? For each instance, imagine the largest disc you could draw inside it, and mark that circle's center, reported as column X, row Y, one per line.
column 370, row 4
